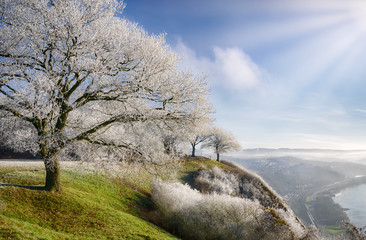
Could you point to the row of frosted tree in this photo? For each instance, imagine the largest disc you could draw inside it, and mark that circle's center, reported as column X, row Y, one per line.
column 75, row 76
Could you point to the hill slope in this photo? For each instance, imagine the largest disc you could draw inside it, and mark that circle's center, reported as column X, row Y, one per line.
column 92, row 206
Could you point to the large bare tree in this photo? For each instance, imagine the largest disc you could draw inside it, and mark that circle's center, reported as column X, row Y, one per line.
column 73, row 71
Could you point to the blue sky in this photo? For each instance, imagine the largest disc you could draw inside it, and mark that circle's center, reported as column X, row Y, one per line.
column 284, row 73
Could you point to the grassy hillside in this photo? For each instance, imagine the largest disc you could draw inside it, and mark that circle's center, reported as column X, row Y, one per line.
column 92, row 206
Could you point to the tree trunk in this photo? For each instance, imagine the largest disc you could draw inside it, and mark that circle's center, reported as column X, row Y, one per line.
column 53, row 175
column 193, row 150
column 218, row 157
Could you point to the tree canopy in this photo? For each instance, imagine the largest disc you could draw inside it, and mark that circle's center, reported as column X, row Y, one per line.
column 221, row 141
column 74, row 71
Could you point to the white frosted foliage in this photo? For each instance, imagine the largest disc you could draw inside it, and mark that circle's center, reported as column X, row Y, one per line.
column 194, row 215
column 74, row 71
column 221, row 141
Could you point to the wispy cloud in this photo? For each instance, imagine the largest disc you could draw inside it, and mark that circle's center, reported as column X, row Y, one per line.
column 229, row 67
column 360, row 110
column 337, row 142
column 236, row 68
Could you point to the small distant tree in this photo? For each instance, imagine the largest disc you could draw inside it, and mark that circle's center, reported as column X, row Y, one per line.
column 197, row 140
column 202, row 136
column 74, row 72
column 221, row 142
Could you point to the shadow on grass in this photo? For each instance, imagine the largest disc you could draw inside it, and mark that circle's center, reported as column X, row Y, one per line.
column 189, row 178
column 23, row 186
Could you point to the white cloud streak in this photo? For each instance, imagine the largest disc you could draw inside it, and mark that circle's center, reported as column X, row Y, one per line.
column 236, row 68
column 360, row 110
column 230, row 67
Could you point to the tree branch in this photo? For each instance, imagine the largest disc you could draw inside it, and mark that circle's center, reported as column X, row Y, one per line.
column 120, row 145
column 16, row 113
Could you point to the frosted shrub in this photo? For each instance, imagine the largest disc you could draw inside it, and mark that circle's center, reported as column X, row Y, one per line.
column 242, row 183
column 183, row 197
column 216, row 180
column 239, row 183
column 355, row 233
column 194, row 215
column 253, row 186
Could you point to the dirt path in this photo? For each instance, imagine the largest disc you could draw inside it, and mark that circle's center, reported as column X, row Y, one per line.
column 32, row 163
column 21, row 163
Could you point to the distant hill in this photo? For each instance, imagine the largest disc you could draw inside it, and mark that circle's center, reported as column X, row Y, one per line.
column 264, row 150
column 324, row 155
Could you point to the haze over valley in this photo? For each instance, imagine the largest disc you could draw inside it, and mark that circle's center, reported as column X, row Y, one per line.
column 310, row 179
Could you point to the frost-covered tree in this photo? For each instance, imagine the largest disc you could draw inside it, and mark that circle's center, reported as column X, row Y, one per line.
column 73, row 71
column 221, row 142
column 171, row 143
column 201, row 136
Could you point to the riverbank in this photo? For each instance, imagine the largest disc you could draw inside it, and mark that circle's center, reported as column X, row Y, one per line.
column 329, row 216
column 352, row 200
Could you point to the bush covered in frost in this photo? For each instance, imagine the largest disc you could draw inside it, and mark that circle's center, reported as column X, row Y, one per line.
column 355, row 233
column 247, row 184
column 193, row 215
column 242, row 183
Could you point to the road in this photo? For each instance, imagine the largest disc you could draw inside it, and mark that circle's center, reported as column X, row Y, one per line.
column 33, row 163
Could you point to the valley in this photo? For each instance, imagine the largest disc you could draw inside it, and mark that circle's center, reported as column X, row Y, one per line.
column 308, row 186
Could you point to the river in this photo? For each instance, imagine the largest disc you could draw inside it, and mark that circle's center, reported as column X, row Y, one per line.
column 354, row 199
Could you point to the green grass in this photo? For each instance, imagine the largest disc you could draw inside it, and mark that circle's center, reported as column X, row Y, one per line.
column 91, row 206
column 192, row 165
column 335, row 230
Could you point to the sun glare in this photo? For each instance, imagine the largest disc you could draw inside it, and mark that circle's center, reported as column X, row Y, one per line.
column 360, row 15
